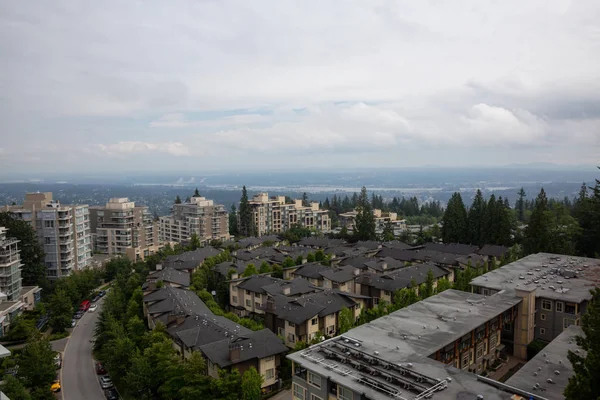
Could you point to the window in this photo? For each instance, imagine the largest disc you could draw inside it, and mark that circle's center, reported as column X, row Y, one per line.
column 466, row 359
column 314, row 379
column 375, row 300
column 543, row 316
column 546, row 305
column 292, row 338
column 234, row 299
column 256, row 304
column 281, row 331
column 542, row 331
column 299, row 392
column 570, row 309
column 479, row 352
column 345, row 393
column 314, row 321
column 291, row 325
column 247, row 292
column 49, row 224
column 315, row 397
column 257, row 295
column 270, row 358
column 248, row 303
column 269, row 374
column 493, row 340
column 560, row 306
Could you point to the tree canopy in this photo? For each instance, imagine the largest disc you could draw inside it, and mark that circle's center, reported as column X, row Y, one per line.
column 364, row 222
column 455, row 225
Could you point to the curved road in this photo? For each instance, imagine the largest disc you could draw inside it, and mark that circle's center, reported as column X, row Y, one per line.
column 78, row 373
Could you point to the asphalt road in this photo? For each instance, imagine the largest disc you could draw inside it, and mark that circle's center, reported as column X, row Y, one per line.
column 78, row 374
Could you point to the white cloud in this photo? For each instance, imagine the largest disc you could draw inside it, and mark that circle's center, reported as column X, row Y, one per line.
column 125, row 148
column 179, row 120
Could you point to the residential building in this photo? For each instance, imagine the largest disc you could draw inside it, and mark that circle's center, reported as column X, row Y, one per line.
column 381, row 220
column 10, row 266
column 30, row 296
column 223, row 343
column 122, row 228
column 62, row 230
column 274, row 215
column 557, row 286
column 167, row 277
column 198, row 216
column 307, row 317
column 548, row 372
column 9, row 310
column 190, row 260
column 410, row 353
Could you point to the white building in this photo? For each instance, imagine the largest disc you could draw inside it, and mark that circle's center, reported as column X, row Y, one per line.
column 10, row 266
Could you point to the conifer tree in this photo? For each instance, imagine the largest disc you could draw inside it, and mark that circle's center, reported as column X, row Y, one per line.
column 246, row 222
column 476, row 220
column 364, row 223
column 537, row 233
column 455, row 228
column 177, row 200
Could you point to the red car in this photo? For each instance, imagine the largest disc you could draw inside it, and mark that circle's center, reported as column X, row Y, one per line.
column 100, row 369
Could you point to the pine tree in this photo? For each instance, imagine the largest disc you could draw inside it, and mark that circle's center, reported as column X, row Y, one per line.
column 537, row 233
column 476, row 220
column 196, row 193
column 305, row 201
column 520, row 205
column 177, row 200
column 233, row 221
column 246, row 222
column 504, row 223
column 364, row 222
column 455, row 228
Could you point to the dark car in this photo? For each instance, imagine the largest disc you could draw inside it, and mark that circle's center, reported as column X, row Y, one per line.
column 78, row 314
column 102, row 293
column 100, row 370
column 95, row 298
column 111, row 394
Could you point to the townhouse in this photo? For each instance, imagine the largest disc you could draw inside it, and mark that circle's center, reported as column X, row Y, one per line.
column 167, row 277
column 190, row 260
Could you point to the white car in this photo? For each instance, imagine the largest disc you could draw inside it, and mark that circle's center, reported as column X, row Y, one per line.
column 93, row 308
column 106, row 382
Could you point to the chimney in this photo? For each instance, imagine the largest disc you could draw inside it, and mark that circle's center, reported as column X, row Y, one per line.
column 159, row 267
column 356, row 271
column 384, row 266
column 287, row 290
column 234, row 353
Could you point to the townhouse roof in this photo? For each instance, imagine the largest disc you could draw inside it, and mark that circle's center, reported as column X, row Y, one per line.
column 366, row 244
column 190, row 259
column 198, row 330
column 253, row 345
column 293, row 253
column 544, row 365
column 454, row 248
column 256, row 283
column 384, row 264
column 224, row 268
column 552, row 276
column 396, row 254
column 396, row 244
column 340, row 274
column 296, row 287
column 474, row 259
column 345, row 251
column 175, row 300
column 401, row 278
column 311, row 270
column 249, row 242
column 493, row 251
column 356, row 261
column 171, row 275
column 305, row 307
column 320, row 242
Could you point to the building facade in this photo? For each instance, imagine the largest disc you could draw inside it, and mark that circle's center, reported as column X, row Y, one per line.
column 381, row 220
column 199, row 216
column 10, row 266
column 122, row 228
column 274, row 215
column 63, row 231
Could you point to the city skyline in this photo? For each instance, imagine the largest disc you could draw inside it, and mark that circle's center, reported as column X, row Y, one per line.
column 124, row 86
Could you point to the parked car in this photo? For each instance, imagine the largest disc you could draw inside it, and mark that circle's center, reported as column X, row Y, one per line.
column 78, row 315
column 58, row 360
column 100, row 370
column 55, row 386
column 73, row 323
column 93, row 308
column 95, row 298
column 106, row 382
column 102, row 293
column 111, row 394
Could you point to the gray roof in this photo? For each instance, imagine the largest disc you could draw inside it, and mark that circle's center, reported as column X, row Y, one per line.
column 252, row 345
column 401, row 278
column 175, row 300
column 198, row 330
column 311, row 270
column 171, row 275
column 190, row 259
column 397, row 254
column 305, row 307
column 320, row 242
column 340, row 274
column 385, row 264
column 552, row 358
column 552, row 276
column 224, row 268
column 366, row 244
column 297, row 286
column 256, row 283
column 356, row 261
column 396, row 244
column 454, row 248
column 493, row 250
column 474, row 259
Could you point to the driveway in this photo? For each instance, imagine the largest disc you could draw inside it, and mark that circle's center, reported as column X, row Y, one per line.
column 78, row 374
column 283, row 395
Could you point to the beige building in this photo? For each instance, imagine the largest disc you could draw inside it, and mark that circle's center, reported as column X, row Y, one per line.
column 381, row 219
column 63, row 231
column 274, row 215
column 200, row 216
column 122, row 228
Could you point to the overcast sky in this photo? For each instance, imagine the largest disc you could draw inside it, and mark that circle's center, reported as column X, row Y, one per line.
column 203, row 85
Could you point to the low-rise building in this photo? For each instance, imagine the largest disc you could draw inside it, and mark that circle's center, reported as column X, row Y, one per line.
column 167, row 277
column 198, row 216
column 273, row 215
column 30, row 296
column 557, row 285
column 190, row 260
column 381, row 220
column 9, row 310
column 10, row 266
column 122, row 228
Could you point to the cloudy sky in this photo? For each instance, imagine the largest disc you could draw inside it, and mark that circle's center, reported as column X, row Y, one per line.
column 219, row 84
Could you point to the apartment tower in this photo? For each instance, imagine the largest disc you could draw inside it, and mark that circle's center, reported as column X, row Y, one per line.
column 10, row 266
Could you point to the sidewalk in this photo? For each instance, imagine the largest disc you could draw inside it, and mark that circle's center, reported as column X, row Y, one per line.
column 512, row 362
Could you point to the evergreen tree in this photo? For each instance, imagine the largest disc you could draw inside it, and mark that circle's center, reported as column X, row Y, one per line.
column 305, row 201
column 264, row 267
column 587, row 212
column 584, row 384
column 246, row 221
column 428, row 286
column 387, row 235
column 36, row 365
column 61, row 310
column 476, row 220
column 196, row 193
column 233, row 221
column 504, row 223
column 364, row 223
column 538, row 231
column 177, row 200
column 455, row 228
column 194, row 242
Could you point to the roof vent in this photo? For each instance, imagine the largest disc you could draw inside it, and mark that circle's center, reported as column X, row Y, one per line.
column 549, row 380
column 556, row 372
column 376, row 352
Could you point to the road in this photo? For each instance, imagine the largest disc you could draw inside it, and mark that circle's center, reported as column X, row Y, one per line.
column 78, row 374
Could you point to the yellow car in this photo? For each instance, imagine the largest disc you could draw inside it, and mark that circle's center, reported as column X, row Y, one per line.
column 55, row 386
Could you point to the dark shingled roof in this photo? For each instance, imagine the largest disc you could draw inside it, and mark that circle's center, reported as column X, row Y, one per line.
column 474, row 259
column 254, row 345
column 297, row 286
column 320, row 242
column 366, row 244
column 198, row 330
column 453, row 248
column 357, row 261
column 308, row 306
column 171, row 275
column 190, row 259
column 256, row 283
column 341, row 274
column 396, row 244
column 385, row 264
column 493, row 251
column 396, row 254
column 224, row 267
column 401, row 278
column 175, row 300
column 311, row 270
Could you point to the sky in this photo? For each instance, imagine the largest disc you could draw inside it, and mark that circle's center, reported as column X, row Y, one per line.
column 209, row 85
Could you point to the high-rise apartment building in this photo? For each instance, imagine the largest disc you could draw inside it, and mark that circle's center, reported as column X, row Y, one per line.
column 200, row 216
column 274, row 215
column 10, row 266
column 62, row 230
column 122, row 228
